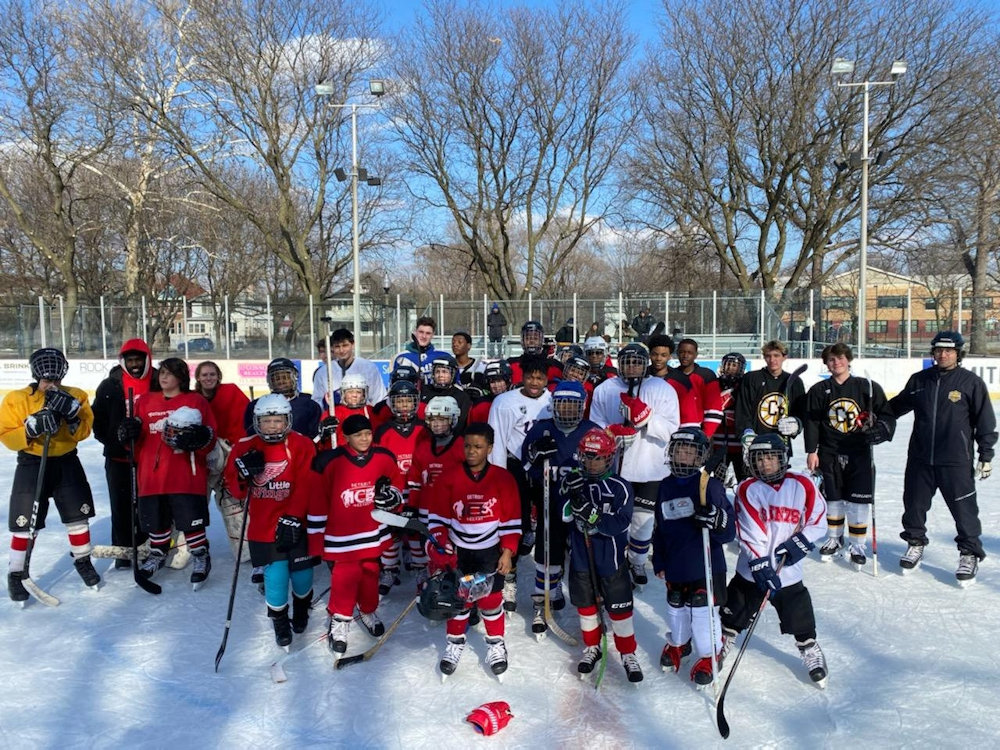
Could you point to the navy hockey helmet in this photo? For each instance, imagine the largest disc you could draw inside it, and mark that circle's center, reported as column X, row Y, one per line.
column 569, row 402
column 633, row 359
column 731, row 369
column 405, row 371
column 439, row 600
column 283, row 377
column 576, row 368
column 48, row 363
column 499, row 376
column 533, row 337
column 767, row 458
column 947, row 340
column 403, row 399
column 444, row 370
column 687, row 451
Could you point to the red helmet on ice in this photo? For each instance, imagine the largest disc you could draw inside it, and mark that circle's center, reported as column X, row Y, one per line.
column 490, row 718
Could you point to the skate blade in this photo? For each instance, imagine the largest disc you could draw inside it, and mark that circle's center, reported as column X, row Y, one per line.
column 826, row 558
column 821, row 684
column 540, row 636
column 965, row 584
column 907, row 571
column 95, row 587
column 287, row 649
column 858, row 566
column 198, row 586
column 499, row 677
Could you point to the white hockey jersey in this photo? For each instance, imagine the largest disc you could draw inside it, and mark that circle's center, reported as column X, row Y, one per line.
column 511, row 416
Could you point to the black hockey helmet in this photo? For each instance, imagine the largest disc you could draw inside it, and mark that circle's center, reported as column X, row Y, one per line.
column 732, row 366
column 633, row 359
column 441, row 364
column 48, row 363
column 405, row 371
column 766, row 446
column 403, row 399
column 439, row 600
column 533, row 337
column 948, row 340
column 283, row 377
column 682, row 462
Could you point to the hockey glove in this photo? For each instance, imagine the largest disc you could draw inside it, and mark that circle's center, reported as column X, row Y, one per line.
column 328, row 428
column 585, row 513
column 789, row 427
column 40, row 423
column 711, row 517
column 572, row 484
column 249, row 465
column 288, row 534
column 623, row 435
column 984, row 469
column 61, row 403
column 441, row 553
column 130, row 429
column 194, row 438
column 637, row 412
column 747, row 438
column 544, row 447
column 878, row 432
column 387, row 497
column 764, row 576
column 793, row 549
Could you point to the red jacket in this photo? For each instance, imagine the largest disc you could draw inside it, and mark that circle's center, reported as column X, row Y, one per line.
column 163, row 470
column 284, row 489
column 340, row 520
column 229, row 404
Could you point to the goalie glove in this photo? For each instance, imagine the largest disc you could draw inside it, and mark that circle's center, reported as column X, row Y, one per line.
column 635, row 411
column 62, row 404
column 789, row 427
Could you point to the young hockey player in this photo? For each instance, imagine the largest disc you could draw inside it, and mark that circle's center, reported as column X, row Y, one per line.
column 498, row 378
column 355, row 479
column 399, row 436
column 353, row 400
column 642, row 413
column 174, row 431
column 534, row 347
column 761, row 406
column 780, row 515
column 47, row 413
column 134, row 372
column 726, row 441
column 474, row 517
column 601, row 366
column 599, row 510
column 844, row 416
column 283, row 378
column 699, row 382
column 511, row 416
column 554, row 440
column 683, row 509
column 273, row 470
column 444, row 375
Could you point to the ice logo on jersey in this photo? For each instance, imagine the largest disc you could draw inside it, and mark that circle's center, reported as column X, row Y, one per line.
column 357, row 497
column 476, row 508
column 843, row 414
column 271, row 470
column 677, row 507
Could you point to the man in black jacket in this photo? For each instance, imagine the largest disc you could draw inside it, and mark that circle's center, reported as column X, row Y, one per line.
column 134, row 372
column 952, row 417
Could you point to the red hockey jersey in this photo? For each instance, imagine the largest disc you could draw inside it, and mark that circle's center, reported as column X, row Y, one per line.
column 478, row 511
column 164, row 470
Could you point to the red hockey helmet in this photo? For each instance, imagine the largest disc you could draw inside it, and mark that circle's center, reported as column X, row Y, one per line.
column 596, row 451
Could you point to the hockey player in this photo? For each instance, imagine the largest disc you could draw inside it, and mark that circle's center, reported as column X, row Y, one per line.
column 355, row 479
column 642, row 413
column 533, row 347
column 439, row 448
column 780, row 515
column 952, row 420
column 134, row 372
column 683, row 509
column 468, row 367
column 273, row 470
column 511, row 416
column 761, row 406
column 726, row 441
column 601, row 366
column 174, row 431
column 283, row 378
column 599, row 509
column 420, row 351
column 444, row 374
column 345, row 362
column 399, row 436
column 704, row 402
column 498, row 378
column 47, row 413
column 353, row 400
column 842, row 420
column 474, row 517
column 554, row 440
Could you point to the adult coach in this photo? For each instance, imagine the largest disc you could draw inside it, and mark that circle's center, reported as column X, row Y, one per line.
column 345, row 362
column 952, row 417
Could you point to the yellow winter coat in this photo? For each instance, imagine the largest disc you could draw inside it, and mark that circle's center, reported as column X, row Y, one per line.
column 18, row 405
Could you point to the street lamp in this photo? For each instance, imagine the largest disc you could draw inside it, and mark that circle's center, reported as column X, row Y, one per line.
column 377, row 89
column 842, row 66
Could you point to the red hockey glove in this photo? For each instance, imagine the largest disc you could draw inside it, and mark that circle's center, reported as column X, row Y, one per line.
column 623, row 434
column 635, row 411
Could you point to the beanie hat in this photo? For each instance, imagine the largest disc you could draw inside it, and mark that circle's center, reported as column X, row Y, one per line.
column 356, row 423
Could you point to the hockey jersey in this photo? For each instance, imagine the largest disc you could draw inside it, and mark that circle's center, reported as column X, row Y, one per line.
column 478, row 511
column 760, row 401
column 401, row 440
column 430, row 460
column 18, row 405
column 614, row 499
column 511, row 416
column 699, row 399
column 164, row 470
column 836, row 413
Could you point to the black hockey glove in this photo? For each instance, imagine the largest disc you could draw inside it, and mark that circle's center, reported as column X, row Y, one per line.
column 544, row 447
column 878, row 432
column 572, row 484
column 288, row 534
column 328, row 429
column 130, row 429
column 61, row 403
column 764, row 576
column 793, row 549
column 194, row 438
column 584, row 512
column 40, row 423
column 249, row 465
column 387, row 497
column 711, row 517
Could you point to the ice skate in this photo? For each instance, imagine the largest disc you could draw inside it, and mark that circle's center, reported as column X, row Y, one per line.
column 85, row 568
column 911, row 558
column 968, row 566
column 337, row 637
column 201, row 568
column 15, row 587
column 701, row 672
column 812, row 657
column 632, row 668
column 282, row 626
column 830, row 548
column 728, row 641
column 452, row 653
column 510, row 592
column 538, row 624
column 858, row 556
column 153, row 563
column 496, row 656
column 591, row 656
column 670, row 658
column 388, row 578
column 301, row 606
column 373, row 624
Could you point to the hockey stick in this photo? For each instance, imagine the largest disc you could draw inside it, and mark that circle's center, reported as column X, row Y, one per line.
column 709, row 578
column 348, row 660
column 871, row 461
column 33, row 588
column 329, row 367
column 407, row 524
column 599, row 602
column 236, row 575
column 549, row 619
column 141, row 581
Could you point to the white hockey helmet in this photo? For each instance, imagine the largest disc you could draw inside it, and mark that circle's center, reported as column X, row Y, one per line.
column 272, row 405
column 179, row 421
column 354, row 382
column 445, row 407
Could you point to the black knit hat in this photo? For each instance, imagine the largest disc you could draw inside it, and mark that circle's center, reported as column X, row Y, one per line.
column 356, row 423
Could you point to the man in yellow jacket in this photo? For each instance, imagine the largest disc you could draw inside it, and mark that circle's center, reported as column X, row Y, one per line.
column 46, row 408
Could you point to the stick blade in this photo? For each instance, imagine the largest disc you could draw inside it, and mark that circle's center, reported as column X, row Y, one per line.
column 36, row 591
column 346, row 661
column 720, row 720
column 147, row 585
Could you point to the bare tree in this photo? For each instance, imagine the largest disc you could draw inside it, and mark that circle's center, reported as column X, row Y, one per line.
column 511, row 122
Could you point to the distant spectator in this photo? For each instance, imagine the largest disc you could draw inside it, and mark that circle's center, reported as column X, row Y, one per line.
column 566, row 334
column 642, row 324
column 495, row 325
